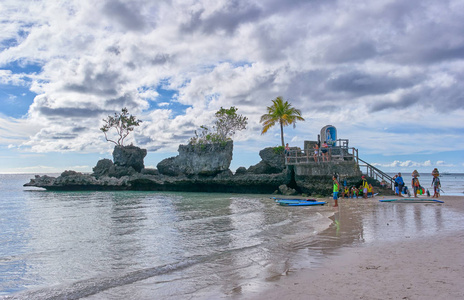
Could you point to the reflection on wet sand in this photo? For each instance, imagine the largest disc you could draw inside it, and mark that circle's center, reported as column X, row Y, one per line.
column 367, row 221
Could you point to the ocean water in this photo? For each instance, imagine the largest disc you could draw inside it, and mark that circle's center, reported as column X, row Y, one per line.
column 167, row 245
column 452, row 184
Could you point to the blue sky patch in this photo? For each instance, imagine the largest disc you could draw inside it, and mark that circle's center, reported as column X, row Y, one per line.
column 166, row 99
column 15, row 100
column 23, row 67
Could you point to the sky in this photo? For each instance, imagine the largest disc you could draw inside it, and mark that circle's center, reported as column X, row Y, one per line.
column 388, row 74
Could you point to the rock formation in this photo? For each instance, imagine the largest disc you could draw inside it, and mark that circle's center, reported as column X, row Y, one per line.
column 271, row 162
column 129, row 156
column 201, row 159
column 202, row 168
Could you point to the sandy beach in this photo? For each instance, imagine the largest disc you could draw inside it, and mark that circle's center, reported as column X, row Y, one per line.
column 406, row 267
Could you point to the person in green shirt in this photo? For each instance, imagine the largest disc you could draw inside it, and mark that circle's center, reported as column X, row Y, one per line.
column 336, row 187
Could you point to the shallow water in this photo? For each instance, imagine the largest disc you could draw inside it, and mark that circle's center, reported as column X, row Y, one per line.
column 145, row 245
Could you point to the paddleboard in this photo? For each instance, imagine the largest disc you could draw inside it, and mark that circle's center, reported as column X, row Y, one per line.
column 412, row 200
column 295, row 200
column 299, row 203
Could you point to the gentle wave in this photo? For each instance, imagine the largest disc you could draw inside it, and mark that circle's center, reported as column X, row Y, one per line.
column 91, row 286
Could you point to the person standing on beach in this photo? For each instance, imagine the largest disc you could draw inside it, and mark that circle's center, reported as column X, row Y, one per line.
column 336, row 187
column 400, row 182
column 365, row 186
column 415, row 182
column 436, row 183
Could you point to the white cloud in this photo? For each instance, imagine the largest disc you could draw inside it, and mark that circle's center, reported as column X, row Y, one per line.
column 412, row 164
column 386, row 73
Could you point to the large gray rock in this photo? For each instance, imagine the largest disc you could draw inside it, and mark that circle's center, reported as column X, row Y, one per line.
column 285, row 190
column 207, row 160
column 169, row 166
column 75, row 181
column 271, row 162
column 274, row 159
column 129, row 156
column 104, row 167
column 70, row 177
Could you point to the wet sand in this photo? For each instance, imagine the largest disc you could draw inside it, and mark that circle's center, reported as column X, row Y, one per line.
column 404, row 267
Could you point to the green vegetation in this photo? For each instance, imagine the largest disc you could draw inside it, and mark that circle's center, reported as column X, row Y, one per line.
column 227, row 123
column 123, row 123
column 279, row 149
column 280, row 112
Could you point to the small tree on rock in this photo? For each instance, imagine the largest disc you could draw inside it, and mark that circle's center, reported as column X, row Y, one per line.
column 227, row 123
column 123, row 123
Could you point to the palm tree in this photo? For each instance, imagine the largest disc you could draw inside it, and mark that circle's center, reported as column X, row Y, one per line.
column 281, row 112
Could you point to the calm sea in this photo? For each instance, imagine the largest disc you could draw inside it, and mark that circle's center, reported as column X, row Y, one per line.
column 166, row 245
column 452, row 184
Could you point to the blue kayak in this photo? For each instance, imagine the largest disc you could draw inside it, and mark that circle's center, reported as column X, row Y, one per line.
column 296, row 202
column 292, row 199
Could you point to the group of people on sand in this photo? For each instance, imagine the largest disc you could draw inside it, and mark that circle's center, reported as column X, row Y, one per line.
column 400, row 187
column 367, row 189
column 350, row 192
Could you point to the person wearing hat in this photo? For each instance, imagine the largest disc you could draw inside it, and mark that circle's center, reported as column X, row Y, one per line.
column 436, row 183
column 415, row 182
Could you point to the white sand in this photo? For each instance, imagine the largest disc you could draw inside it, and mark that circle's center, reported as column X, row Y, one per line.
column 420, row 268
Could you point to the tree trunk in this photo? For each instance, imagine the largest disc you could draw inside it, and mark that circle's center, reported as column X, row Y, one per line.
column 282, row 133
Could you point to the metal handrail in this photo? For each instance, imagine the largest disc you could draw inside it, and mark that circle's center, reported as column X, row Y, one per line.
column 295, row 157
column 376, row 173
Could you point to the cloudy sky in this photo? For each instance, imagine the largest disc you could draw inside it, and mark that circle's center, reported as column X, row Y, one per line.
column 388, row 74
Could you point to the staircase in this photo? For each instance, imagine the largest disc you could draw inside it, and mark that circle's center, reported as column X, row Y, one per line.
column 375, row 173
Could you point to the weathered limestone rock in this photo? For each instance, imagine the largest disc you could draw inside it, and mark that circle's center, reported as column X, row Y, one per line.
column 285, row 190
column 129, row 156
column 41, row 181
column 75, row 181
column 273, row 159
column 240, row 171
column 271, row 162
column 104, row 167
column 74, row 178
column 169, row 167
column 207, row 160
column 148, row 171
